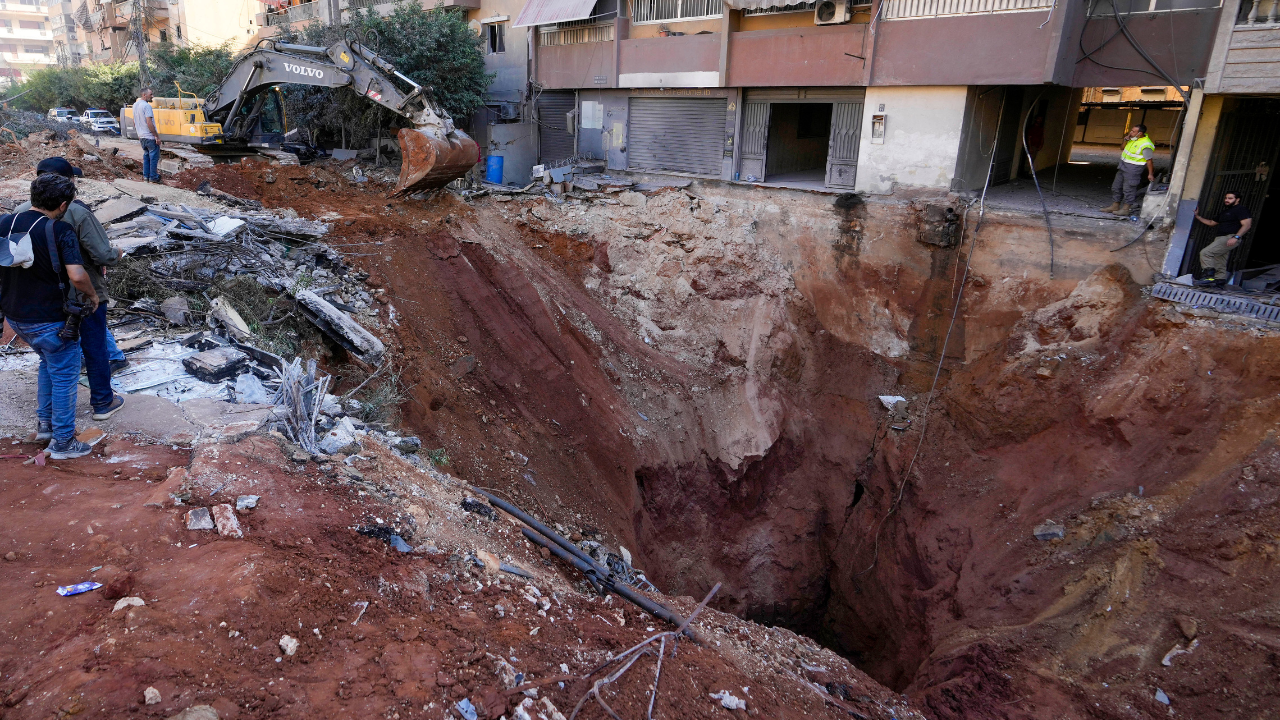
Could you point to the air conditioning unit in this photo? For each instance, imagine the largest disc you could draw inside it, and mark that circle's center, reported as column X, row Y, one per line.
column 832, row 12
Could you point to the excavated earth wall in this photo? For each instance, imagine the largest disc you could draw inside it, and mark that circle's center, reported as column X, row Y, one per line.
column 696, row 373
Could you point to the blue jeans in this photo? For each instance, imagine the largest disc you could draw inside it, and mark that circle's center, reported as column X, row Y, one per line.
column 150, row 159
column 59, row 379
column 113, row 352
column 93, row 343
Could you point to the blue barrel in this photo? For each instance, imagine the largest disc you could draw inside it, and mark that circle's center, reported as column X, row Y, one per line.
column 493, row 169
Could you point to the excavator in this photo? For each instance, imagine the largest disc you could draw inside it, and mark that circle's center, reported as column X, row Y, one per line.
column 245, row 113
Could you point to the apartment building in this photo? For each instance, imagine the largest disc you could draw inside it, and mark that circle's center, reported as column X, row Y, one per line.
column 26, row 39
column 97, row 31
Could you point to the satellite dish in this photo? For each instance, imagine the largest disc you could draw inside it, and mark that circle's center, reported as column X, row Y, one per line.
column 475, row 26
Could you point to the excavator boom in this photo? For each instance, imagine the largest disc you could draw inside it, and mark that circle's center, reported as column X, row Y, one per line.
column 433, row 152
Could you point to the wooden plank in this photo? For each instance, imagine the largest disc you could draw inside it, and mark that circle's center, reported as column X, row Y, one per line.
column 1250, row 37
column 1252, row 70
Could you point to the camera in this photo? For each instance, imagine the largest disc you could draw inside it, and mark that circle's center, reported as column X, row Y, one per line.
column 76, row 312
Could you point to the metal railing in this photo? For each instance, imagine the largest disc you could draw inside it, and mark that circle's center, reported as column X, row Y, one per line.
column 575, row 35
column 895, row 9
column 296, row 13
column 644, row 11
column 1258, row 12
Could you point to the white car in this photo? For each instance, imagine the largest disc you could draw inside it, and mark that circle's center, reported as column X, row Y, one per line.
column 64, row 114
column 100, row 121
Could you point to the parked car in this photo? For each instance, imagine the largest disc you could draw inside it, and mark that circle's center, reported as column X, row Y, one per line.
column 100, row 121
column 64, row 114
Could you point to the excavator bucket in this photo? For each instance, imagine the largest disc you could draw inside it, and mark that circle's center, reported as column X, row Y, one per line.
column 430, row 161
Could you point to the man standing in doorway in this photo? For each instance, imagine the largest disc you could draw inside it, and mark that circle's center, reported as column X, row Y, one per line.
column 1136, row 156
column 144, row 123
column 1232, row 223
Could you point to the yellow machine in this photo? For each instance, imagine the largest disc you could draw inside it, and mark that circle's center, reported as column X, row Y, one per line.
column 179, row 119
column 248, row 110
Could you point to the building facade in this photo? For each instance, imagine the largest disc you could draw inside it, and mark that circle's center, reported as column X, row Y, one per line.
column 97, row 31
column 26, row 39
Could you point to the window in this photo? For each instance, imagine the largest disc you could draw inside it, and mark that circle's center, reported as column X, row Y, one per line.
column 178, row 30
column 643, row 11
column 497, row 33
column 164, row 36
column 7, row 24
column 8, row 48
column 30, row 25
column 35, row 49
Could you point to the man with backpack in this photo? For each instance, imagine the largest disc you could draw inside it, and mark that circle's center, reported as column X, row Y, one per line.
column 41, row 258
column 102, row 358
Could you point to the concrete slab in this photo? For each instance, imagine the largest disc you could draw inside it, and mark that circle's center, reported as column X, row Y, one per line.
column 167, row 194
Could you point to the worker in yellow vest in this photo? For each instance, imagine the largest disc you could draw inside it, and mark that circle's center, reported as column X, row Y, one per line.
column 1136, row 156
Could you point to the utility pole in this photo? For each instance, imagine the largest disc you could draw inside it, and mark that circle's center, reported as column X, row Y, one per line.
column 140, row 40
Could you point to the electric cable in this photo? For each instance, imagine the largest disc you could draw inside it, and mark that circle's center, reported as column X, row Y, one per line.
column 1044, row 206
column 1159, row 70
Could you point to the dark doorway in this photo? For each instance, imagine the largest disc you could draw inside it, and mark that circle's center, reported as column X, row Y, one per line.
column 1245, row 152
column 799, row 136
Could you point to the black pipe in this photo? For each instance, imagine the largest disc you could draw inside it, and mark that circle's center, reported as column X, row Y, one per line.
column 555, row 537
column 625, row 591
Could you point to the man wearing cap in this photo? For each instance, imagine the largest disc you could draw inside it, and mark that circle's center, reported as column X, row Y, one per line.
column 95, row 339
column 144, row 123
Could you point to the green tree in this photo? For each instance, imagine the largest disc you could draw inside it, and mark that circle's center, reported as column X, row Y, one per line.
column 198, row 69
column 108, row 86
column 435, row 48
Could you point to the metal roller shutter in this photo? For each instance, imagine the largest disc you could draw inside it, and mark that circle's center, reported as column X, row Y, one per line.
column 555, row 142
column 677, row 134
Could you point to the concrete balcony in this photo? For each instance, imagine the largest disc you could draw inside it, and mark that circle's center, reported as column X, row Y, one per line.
column 1252, row 60
column 304, row 13
column 25, row 58
column 684, row 61
column 796, row 56
column 20, row 9
column 11, row 33
column 585, row 63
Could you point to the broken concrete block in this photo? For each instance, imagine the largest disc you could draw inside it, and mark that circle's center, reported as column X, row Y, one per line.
column 220, row 309
column 633, row 199
column 339, row 326
column 228, row 523
column 247, row 502
column 119, row 209
column 176, row 310
column 199, row 519
column 408, row 445
column 340, row 439
column 217, row 364
column 151, row 696
column 289, row 645
column 226, row 227
column 1050, row 530
column 197, row 712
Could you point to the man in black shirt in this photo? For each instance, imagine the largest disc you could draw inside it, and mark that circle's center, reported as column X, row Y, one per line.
column 32, row 301
column 1232, row 223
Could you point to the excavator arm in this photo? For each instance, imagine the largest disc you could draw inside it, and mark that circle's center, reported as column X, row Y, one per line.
column 433, row 152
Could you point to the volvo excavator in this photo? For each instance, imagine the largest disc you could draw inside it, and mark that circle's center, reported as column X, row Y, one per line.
column 245, row 113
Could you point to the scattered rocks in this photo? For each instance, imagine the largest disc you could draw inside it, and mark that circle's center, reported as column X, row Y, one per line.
column 197, row 712
column 125, row 602
column 1187, row 625
column 151, row 696
column 1050, row 530
column 472, row 505
column 228, row 524
column 728, row 701
column 462, row 365
column 247, row 502
column 289, row 645
column 199, row 519
column 1161, row 697
column 408, row 445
